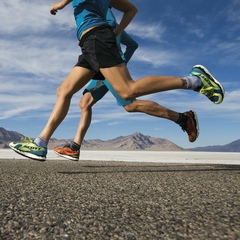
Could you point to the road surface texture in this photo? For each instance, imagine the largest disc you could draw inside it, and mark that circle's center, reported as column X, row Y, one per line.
column 118, row 200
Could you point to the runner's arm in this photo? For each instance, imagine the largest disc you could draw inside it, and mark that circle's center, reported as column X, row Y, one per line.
column 131, row 45
column 58, row 6
column 129, row 11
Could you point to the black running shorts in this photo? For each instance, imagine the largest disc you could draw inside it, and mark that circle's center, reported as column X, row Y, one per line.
column 99, row 50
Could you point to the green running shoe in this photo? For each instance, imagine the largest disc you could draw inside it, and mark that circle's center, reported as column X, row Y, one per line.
column 211, row 88
column 28, row 148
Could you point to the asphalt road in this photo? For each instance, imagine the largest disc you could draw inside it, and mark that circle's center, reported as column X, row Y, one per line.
column 118, row 200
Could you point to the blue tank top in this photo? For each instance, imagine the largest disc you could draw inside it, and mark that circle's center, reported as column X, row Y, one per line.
column 113, row 23
column 89, row 13
column 111, row 19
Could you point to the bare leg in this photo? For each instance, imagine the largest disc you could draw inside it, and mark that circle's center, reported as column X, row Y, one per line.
column 77, row 78
column 153, row 109
column 123, row 84
column 85, row 104
column 144, row 106
column 187, row 120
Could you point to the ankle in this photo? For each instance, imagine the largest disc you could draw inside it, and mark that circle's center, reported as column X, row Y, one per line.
column 182, row 119
column 41, row 142
column 193, row 82
column 75, row 146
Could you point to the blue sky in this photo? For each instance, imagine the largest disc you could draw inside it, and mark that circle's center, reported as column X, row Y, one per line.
column 38, row 50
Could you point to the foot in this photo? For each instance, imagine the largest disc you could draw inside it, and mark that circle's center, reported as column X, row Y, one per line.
column 66, row 151
column 211, row 88
column 191, row 126
column 29, row 149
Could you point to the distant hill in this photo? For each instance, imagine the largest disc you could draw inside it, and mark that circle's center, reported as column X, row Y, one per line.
column 8, row 136
column 136, row 141
column 230, row 147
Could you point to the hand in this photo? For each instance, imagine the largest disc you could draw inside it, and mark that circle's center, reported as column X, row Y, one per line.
column 55, row 7
column 116, row 32
column 53, row 12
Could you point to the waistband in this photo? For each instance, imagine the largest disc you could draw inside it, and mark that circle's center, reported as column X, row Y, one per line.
column 92, row 31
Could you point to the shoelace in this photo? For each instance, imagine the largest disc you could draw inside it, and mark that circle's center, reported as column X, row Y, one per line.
column 209, row 91
column 68, row 144
column 26, row 139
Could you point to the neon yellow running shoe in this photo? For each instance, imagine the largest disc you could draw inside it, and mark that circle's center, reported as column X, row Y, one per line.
column 211, row 88
column 28, row 148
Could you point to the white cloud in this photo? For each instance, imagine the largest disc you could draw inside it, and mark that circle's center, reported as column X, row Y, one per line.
column 30, row 17
column 15, row 105
column 157, row 57
column 43, row 56
column 152, row 32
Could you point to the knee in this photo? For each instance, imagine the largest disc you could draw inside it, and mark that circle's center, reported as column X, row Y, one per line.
column 58, row 91
column 86, row 102
column 62, row 93
column 127, row 94
column 83, row 104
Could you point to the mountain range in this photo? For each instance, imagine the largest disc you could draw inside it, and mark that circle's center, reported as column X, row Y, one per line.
column 230, row 147
column 136, row 141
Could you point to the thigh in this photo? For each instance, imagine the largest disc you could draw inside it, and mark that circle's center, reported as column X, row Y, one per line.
column 120, row 101
column 119, row 78
column 76, row 79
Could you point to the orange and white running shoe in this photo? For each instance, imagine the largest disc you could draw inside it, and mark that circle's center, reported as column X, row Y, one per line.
column 66, row 151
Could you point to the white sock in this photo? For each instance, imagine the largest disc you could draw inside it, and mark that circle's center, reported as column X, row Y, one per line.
column 41, row 142
column 193, row 82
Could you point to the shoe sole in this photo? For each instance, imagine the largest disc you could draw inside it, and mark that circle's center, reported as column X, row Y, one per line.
column 195, row 117
column 204, row 69
column 66, row 156
column 29, row 155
